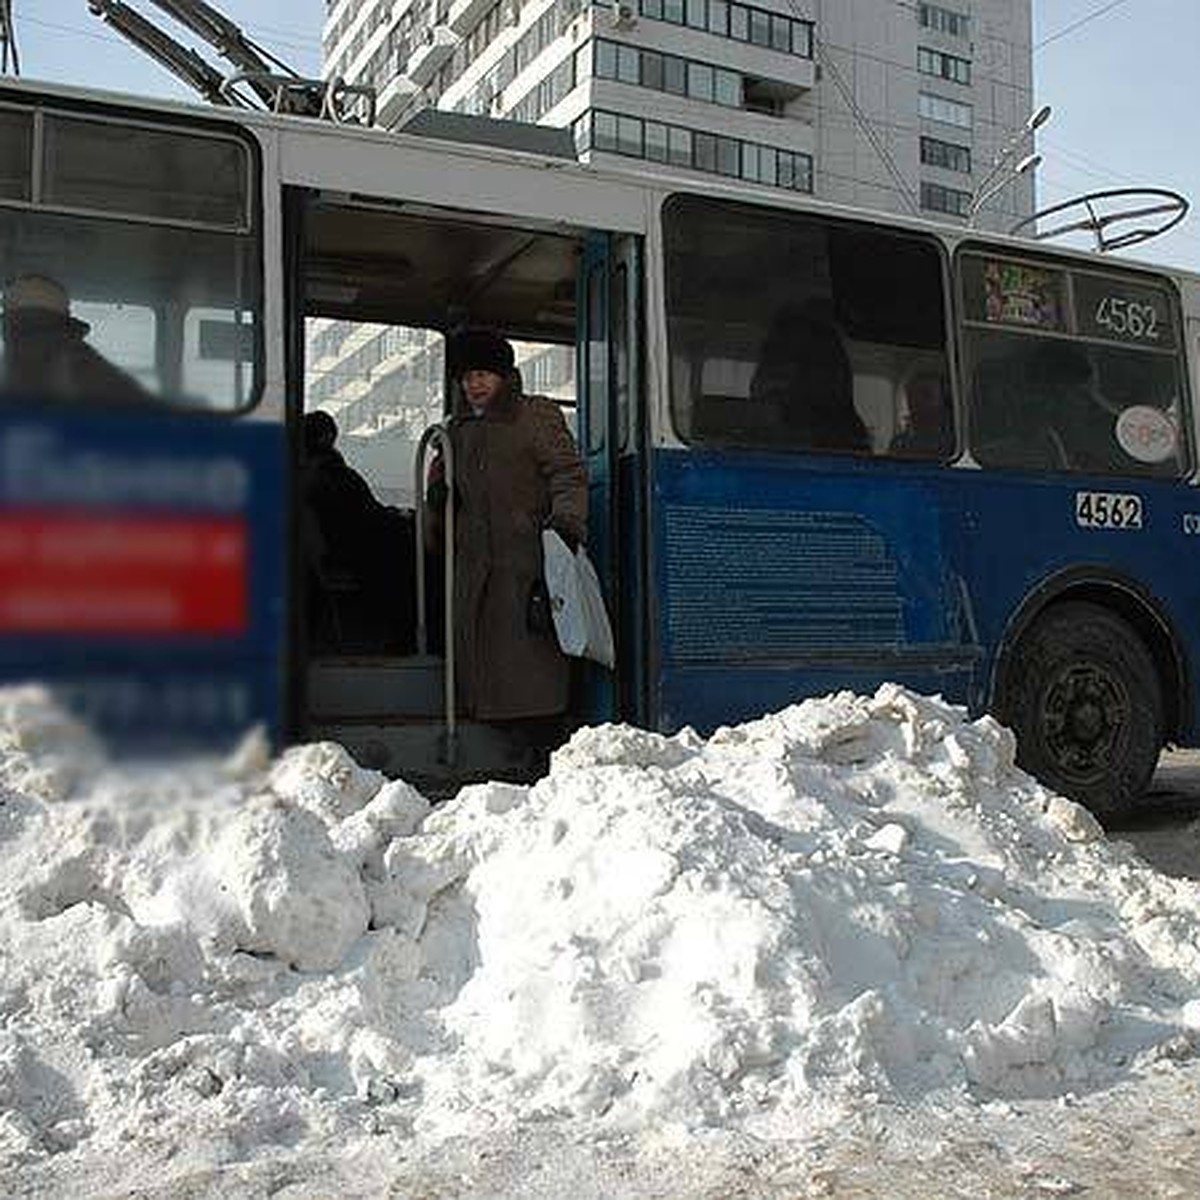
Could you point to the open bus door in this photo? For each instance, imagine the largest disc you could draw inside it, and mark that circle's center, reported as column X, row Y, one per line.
column 378, row 287
column 610, row 414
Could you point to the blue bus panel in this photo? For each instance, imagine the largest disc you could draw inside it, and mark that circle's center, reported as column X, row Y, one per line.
column 780, row 578
column 783, row 577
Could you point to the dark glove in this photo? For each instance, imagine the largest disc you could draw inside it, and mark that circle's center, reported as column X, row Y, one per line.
column 538, row 618
column 436, row 491
column 567, row 535
column 436, row 494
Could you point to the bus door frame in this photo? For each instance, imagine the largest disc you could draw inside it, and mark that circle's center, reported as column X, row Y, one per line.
column 296, row 202
column 613, row 444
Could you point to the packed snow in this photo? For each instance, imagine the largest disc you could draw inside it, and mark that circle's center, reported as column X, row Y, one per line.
column 856, row 903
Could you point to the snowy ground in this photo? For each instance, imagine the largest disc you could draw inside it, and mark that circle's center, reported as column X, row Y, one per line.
column 845, row 950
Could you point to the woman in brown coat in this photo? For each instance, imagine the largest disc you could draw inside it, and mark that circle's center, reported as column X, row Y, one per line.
column 516, row 472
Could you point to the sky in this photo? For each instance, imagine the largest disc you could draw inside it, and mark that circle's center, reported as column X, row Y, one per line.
column 1120, row 75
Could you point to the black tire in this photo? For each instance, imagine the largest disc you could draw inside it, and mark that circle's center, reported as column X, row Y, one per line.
column 1083, row 697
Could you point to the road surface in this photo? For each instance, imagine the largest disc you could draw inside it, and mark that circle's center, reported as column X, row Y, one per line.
column 1165, row 827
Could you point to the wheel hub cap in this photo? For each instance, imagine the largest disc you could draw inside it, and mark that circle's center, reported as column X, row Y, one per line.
column 1085, row 711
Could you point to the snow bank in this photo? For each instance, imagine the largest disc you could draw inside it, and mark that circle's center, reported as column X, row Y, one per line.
column 855, row 901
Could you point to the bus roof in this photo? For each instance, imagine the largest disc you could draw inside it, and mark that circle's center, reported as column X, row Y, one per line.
column 346, row 159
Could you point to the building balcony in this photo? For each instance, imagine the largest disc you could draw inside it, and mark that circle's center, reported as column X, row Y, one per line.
column 427, row 59
column 791, row 74
column 395, row 99
column 749, row 124
column 464, row 14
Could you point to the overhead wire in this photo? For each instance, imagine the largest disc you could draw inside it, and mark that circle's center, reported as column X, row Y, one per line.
column 1075, row 25
column 77, row 30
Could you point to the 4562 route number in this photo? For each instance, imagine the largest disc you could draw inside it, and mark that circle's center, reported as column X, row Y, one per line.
column 1128, row 318
column 1108, row 510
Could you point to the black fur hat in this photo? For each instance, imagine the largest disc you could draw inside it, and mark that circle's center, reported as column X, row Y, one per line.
column 480, row 350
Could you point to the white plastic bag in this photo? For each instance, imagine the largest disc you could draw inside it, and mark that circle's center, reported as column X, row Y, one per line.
column 566, row 607
column 576, row 602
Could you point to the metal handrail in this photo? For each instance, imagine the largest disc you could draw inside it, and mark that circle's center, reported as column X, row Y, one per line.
column 441, row 435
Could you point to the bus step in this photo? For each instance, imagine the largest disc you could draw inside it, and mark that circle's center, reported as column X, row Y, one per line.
column 363, row 687
column 417, row 752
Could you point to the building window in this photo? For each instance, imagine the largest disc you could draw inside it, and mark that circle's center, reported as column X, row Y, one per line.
column 740, row 22
column 943, row 20
column 712, row 153
column 485, row 32
column 948, row 112
column 667, row 73
column 937, row 198
column 546, row 93
column 947, row 155
column 943, row 66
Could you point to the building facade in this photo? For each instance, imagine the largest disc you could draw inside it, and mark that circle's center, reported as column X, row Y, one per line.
column 882, row 104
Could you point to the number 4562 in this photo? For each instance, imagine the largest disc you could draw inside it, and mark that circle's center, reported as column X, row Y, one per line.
column 1108, row 510
column 1128, row 318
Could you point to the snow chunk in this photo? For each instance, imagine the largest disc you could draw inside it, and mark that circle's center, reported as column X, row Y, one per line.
column 324, row 778
column 890, row 839
column 294, row 895
column 44, row 752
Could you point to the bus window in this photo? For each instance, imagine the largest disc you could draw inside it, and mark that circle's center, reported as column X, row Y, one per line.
column 1071, row 370
column 126, row 334
column 159, row 174
column 131, row 269
column 16, row 155
column 836, row 341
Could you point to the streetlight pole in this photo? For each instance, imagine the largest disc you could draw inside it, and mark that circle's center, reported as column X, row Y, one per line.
column 1000, row 175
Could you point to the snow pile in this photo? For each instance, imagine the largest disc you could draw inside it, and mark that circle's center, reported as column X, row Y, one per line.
column 855, row 901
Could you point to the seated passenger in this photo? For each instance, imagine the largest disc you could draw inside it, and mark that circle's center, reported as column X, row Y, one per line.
column 804, row 371
column 1001, row 431
column 1062, row 391
column 928, row 430
column 45, row 355
column 342, row 499
column 359, row 551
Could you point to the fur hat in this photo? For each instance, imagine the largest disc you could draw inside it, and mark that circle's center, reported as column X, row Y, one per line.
column 37, row 297
column 480, row 350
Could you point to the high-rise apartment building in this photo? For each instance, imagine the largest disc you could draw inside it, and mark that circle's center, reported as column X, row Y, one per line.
column 884, row 104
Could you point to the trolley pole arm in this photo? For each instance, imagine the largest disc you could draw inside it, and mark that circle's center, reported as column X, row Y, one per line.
column 438, row 435
column 183, row 63
column 227, row 39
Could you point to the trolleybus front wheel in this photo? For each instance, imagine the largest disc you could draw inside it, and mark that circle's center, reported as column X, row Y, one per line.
column 1084, row 700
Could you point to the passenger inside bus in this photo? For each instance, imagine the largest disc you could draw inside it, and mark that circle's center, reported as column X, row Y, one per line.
column 358, row 552
column 1061, row 385
column 1013, row 427
column 927, row 430
column 1037, row 408
column 804, row 371
column 46, row 356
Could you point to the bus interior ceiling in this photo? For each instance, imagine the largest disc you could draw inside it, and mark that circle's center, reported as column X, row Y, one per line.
column 440, row 272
